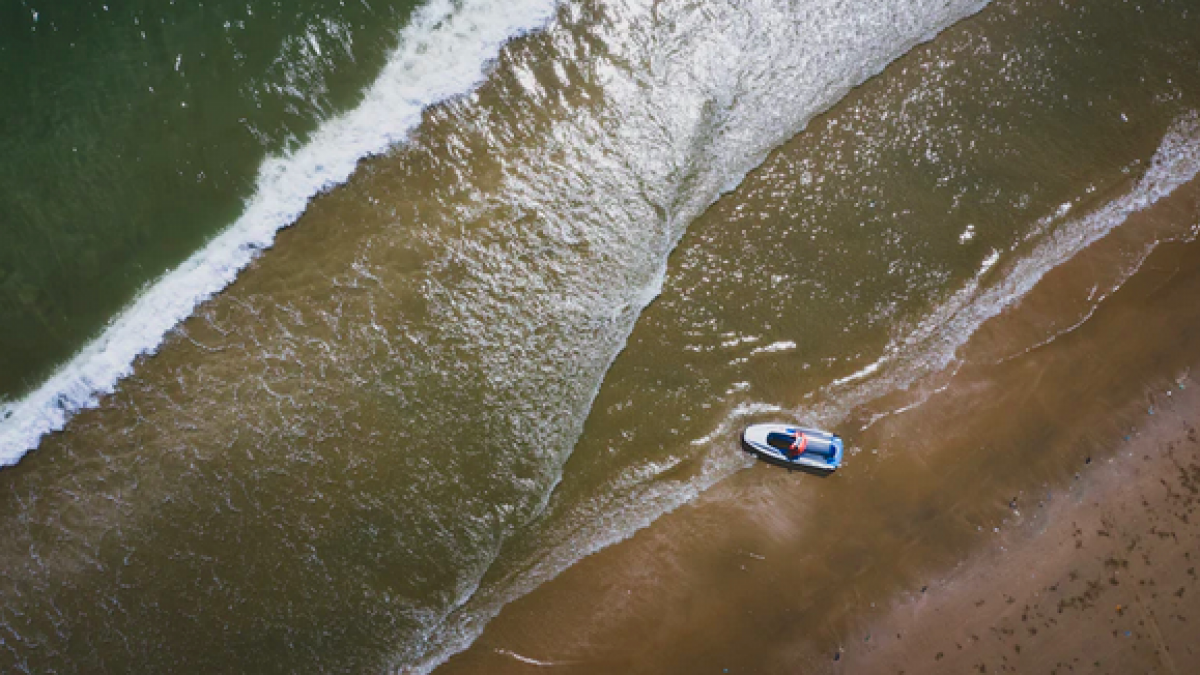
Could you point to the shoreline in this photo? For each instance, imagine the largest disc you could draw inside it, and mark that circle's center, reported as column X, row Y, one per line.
column 765, row 573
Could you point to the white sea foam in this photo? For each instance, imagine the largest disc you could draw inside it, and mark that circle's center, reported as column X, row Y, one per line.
column 859, row 374
column 442, row 53
column 532, row 661
column 781, row 346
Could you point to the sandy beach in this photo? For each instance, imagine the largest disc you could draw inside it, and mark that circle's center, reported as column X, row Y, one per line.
column 1103, row 581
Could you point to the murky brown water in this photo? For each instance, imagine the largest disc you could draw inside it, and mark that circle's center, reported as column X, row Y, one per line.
column 770, row 572
column 767, row 566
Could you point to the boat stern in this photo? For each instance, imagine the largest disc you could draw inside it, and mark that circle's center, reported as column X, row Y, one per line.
column 839, row 450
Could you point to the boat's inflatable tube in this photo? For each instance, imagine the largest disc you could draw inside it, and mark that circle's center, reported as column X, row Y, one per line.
column 794, row 447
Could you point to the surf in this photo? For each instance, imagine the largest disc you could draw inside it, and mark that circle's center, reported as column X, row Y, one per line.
column 444, row 52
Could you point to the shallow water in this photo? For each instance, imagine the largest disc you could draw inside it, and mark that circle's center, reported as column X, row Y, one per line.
column 451, row 379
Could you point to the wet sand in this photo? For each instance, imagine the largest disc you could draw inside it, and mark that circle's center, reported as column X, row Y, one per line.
column 1010, row 482
column 1104, row 581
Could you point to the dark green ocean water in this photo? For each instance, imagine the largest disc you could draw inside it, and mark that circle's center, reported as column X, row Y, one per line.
column 131, row 131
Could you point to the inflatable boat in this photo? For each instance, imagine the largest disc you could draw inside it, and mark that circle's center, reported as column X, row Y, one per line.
column 794, row 447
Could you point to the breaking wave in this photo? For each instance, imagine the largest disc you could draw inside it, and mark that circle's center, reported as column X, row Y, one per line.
column 442, row 53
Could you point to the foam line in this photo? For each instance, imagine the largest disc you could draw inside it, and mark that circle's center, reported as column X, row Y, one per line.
column 442, row 53
column 934, row 344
